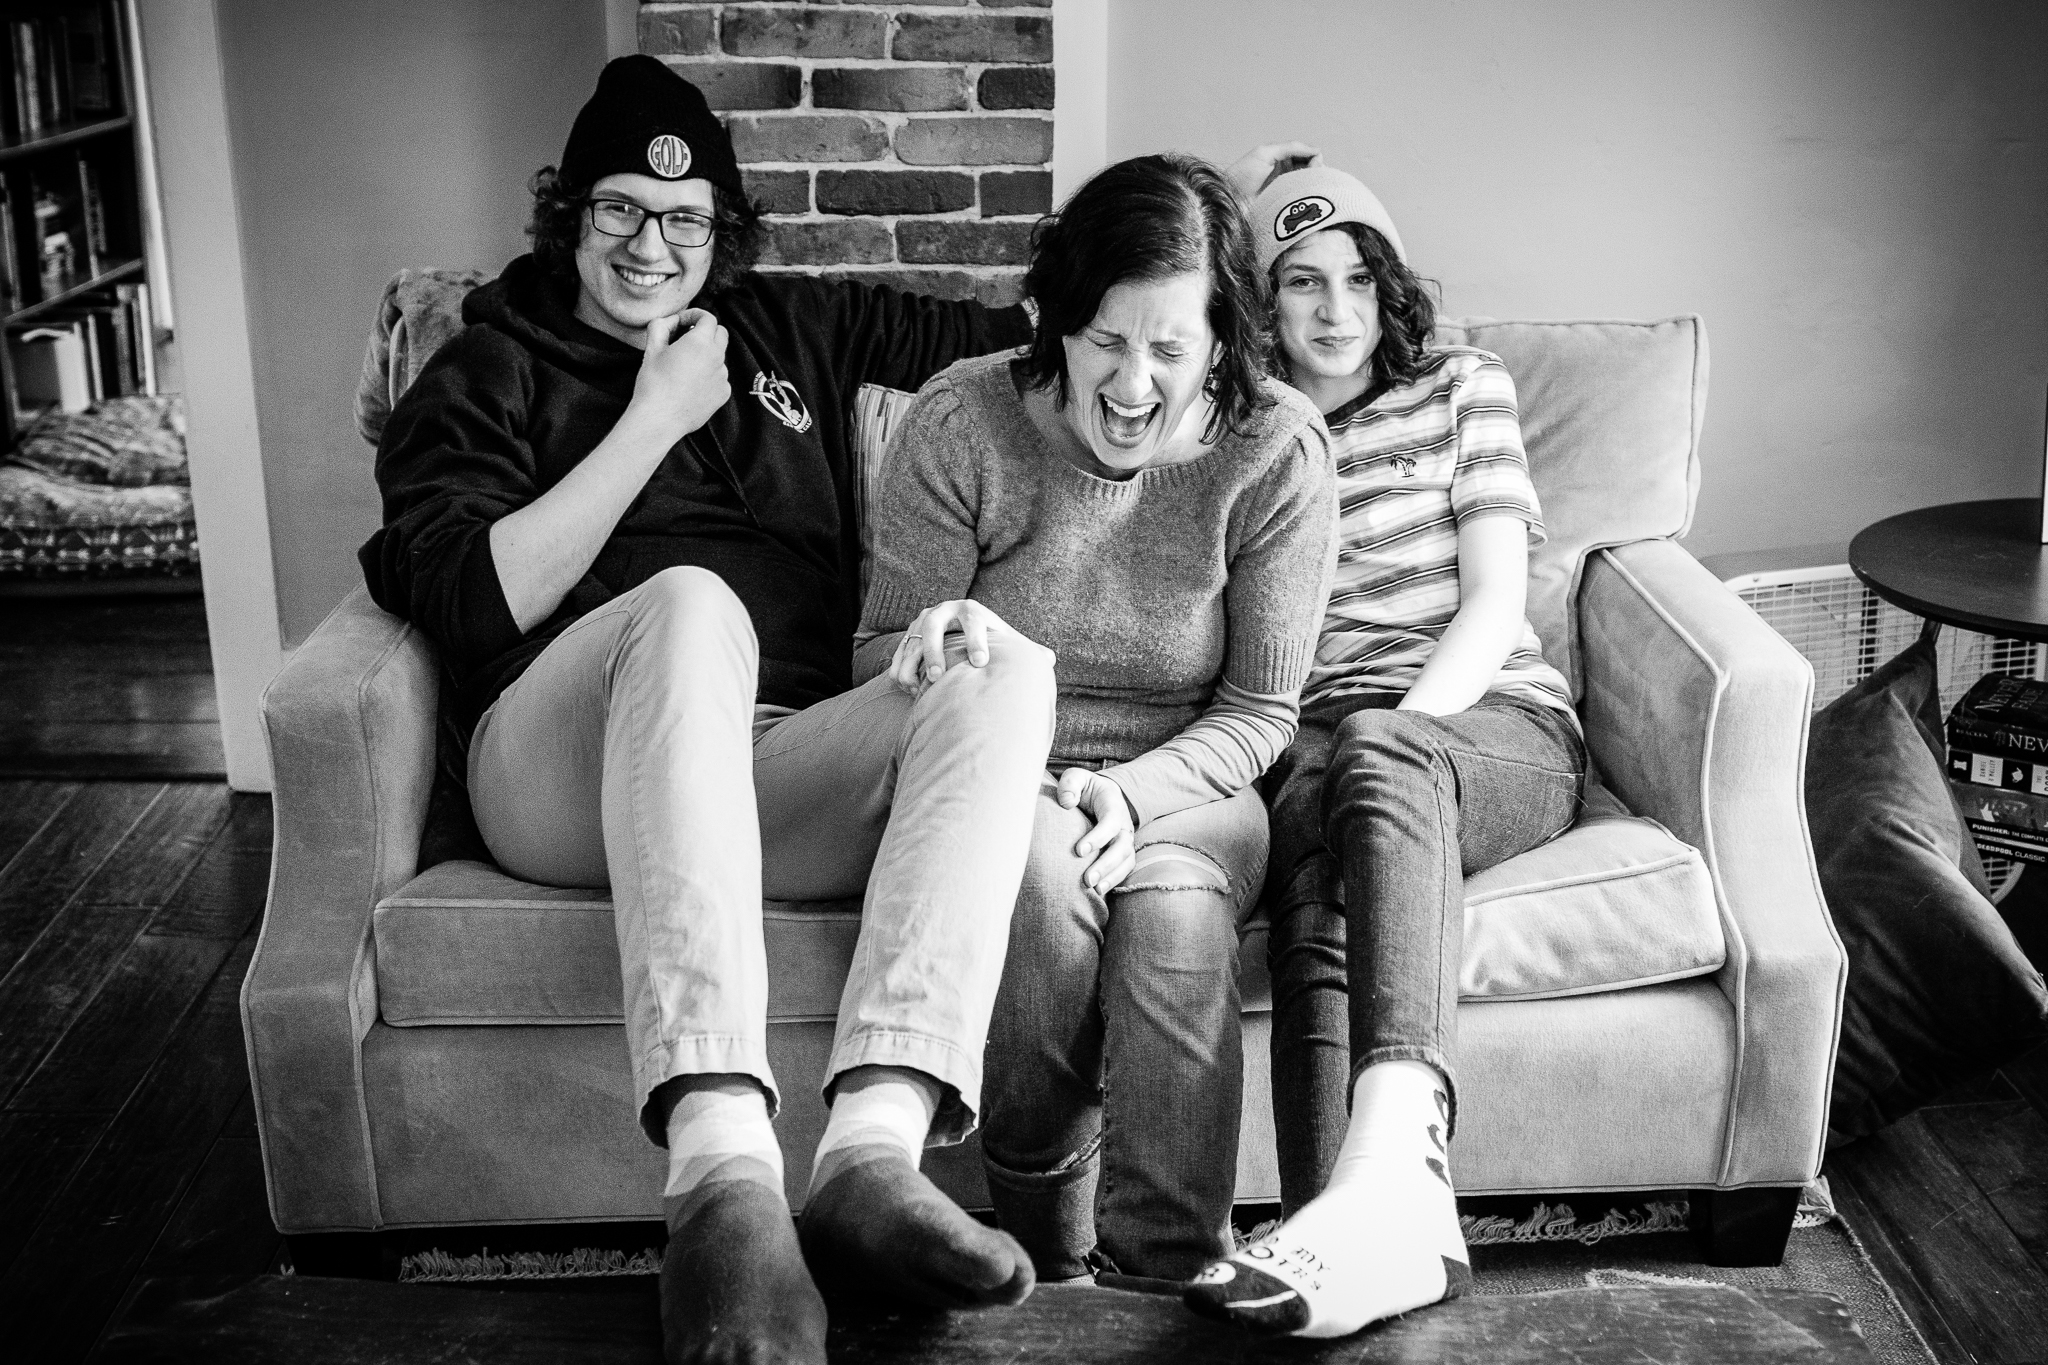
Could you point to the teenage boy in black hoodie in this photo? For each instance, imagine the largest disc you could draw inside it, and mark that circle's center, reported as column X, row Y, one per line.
column 622, row 504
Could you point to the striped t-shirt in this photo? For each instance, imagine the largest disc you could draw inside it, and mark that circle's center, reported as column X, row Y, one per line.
column 1413, row 463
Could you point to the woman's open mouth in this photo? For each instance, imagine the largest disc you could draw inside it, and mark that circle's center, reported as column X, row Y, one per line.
column 1125, row 426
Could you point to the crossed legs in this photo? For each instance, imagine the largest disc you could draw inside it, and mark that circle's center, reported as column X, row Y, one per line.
column 629, row 754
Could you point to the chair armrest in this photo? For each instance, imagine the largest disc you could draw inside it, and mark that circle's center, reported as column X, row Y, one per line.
column 1696, row 715
column 351, row 727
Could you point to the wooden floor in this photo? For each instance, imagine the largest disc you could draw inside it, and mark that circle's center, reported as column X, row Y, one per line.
column 128, row 912
column 66, row 713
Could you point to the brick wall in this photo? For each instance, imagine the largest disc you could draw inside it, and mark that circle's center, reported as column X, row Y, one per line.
column 906, row 144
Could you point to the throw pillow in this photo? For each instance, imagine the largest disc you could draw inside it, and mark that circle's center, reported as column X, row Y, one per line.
column 1938, row 990
column 133, row 442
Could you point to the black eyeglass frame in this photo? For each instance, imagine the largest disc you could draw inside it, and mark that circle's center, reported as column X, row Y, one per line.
column 707, row 226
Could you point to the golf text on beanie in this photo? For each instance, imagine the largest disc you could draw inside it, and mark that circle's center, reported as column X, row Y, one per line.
column 644, row 119
column 1309, row 200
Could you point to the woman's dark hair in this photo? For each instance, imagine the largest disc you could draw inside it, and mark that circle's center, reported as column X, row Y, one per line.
column 1407, row 312
column 558, row 224
column 1150, row 218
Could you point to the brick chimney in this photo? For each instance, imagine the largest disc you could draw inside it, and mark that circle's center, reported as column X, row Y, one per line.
column 908, row 145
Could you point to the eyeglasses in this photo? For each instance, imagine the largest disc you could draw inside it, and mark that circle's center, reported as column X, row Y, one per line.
column 620, row 218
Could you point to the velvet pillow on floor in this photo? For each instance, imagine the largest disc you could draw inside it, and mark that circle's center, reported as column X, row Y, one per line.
column 1938, row 989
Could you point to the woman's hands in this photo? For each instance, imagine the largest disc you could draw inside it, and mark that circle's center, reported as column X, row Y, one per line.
column 1250, row 172
column 682, row 378
column 921, row 653
column 1113, row 841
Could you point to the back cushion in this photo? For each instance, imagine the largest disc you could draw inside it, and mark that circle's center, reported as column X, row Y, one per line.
column 1611, row 418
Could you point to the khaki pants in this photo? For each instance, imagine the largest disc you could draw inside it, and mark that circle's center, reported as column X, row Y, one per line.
column 629, row 754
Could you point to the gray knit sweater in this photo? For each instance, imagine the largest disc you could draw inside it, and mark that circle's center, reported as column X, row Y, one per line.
column 1183, row 602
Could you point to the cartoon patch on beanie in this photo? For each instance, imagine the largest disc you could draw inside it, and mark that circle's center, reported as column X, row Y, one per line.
column 1301, row 215
column 668, row 156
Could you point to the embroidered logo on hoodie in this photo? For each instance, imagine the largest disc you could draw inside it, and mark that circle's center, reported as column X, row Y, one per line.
column 783, row 402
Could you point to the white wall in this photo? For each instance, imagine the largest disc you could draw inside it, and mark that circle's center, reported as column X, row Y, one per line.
column 370, row 135
column 1854, row 193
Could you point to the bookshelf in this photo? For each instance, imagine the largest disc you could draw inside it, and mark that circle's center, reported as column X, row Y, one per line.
column 75, row 305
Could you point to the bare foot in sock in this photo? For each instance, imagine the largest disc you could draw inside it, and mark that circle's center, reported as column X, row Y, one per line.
column 875, row 1223
column 734, row 1290
column 1381, row 1240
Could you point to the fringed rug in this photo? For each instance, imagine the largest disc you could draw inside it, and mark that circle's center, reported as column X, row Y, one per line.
column 1647, row 1243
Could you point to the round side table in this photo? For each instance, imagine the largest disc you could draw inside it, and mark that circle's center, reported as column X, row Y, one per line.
column 1978, row 565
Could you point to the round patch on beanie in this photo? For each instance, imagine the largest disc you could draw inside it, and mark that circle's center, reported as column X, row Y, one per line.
column 668, row 156
column 1301, row 215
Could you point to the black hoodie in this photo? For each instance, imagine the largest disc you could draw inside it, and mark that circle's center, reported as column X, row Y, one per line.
column 763, row 495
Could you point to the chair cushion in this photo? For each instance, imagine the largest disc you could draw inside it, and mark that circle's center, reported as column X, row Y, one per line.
column 1616, row 902
column 1611, row 417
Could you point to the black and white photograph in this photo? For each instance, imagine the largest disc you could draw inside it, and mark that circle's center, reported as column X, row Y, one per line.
column 1024, row 682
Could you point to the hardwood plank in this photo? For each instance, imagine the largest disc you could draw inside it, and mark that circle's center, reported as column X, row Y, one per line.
column 57, row 979
column 2029, row 1076
column 81, row 1258
column 1992, row 1295
column 38, row 1153
column 222, row 1226
column 25, row 807
column 226, row 890
column 123, row 696
column 1914, row 1297
column 1993, row 1088
column 69, row 848
column 111, row 1045
column 114, row 750
column 146, row 867
column 332, row 1320
column 2003, row 1148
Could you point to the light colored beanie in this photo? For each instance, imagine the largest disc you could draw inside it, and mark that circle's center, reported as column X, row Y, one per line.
column 1310, row 199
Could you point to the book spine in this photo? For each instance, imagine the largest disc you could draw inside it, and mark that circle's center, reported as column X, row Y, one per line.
column 121, row 319
column 1997, row 737
column 10, row 252
column 92, row 82
column 93, row 209
column 56, row 53
column 144, row 323
column 2015, row 810
column 1993, row 841
column 1997, row 770
column 28, row 84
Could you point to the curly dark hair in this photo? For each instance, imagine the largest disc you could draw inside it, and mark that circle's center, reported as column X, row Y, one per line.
column 1407, row 312
column 1150, row 218
column 558, row 225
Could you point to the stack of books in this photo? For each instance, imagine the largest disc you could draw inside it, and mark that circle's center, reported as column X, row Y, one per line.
column 97, row 346
column 60, row 71
column 1998, row 766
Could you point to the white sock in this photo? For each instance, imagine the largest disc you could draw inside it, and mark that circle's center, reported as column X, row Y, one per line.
column 1382, row 1239
column 892, row 1106
column 711, row 1127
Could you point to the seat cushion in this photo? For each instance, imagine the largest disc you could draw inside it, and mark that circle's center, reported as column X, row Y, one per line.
column 1616, row 902
column 1613, row 903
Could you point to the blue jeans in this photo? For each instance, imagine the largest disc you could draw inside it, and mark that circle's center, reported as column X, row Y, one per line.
column 1114, row 1077
column 1379, row 815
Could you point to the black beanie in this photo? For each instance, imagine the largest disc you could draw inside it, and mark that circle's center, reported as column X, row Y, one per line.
column 644, row 119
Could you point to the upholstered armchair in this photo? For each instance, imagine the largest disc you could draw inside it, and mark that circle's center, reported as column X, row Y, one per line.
column 1651, row 1000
